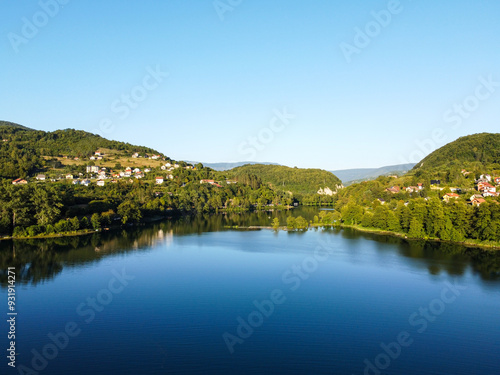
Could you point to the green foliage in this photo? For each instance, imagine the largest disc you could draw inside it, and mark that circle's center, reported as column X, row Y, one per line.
column 276, row 223
column 478, row 151
column 95, row 221
column 296, row 180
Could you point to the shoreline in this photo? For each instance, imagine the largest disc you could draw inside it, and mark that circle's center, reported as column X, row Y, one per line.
column 374, row 231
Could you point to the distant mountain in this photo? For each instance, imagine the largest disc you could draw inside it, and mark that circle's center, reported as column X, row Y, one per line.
column 296, row 180
column 478, row 151
column 353, row 175
column 228, row 166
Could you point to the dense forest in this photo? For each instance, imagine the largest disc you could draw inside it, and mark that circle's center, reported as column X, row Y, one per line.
column 477, row 151
column 296, row 180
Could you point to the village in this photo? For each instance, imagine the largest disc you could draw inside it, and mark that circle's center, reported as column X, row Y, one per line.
column 485, row 187
column 100, row 176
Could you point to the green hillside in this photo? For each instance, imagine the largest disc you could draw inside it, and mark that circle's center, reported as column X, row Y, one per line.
column 478, row 151
column 24, row 151
column 296, row 180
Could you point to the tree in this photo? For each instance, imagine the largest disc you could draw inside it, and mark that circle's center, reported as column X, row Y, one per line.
column 75, row 224
column 95, row 220
column 276, row 223
column 416, row 229
column 129, row 212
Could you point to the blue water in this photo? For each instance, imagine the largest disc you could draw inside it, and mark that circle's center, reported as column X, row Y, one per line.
column 338, row 296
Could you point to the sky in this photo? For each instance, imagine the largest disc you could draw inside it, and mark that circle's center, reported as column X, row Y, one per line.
column 322, row 84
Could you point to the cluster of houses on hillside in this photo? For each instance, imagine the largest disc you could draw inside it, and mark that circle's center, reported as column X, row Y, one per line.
column 409, row 189
column 152, row 157
column 486, row 186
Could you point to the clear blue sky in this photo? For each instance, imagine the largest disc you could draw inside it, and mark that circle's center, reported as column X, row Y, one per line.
column 226, row 78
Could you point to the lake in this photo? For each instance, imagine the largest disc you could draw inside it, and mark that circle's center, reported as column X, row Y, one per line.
column 193, row 297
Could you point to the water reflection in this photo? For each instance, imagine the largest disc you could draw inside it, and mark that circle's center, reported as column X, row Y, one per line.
column 42, row 259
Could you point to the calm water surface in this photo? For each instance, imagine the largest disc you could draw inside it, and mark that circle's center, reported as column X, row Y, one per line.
column 193, row 297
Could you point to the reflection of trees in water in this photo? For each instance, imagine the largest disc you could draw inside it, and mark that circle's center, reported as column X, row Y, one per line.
column 37, row 260
column 439, row 257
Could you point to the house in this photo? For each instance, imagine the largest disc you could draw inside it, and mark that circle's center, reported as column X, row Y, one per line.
column 176, row 165
column 137, row 170
column 155, row 157
column 159, row 180
column 420, row 186
column 490, row 194
column 40, row 177
column 114, row 181
column 92, row 169
column 486, row 187
column 478, row 201
column 168, row 165
column 147, row 170
column 486, row 177
column 100, row 183
column 393, row 189
column 211, row 182
column 136, row 155
column 170, row 177
column 449, row 196
column 128, row 169
column 69, row 177
column 139, row 175
column 92, row 158
column 412, row 189
column 435, row 182
column 475, row 196
column 497, row 180
column 229, row 182
column 381, row 201
column 19, row 181
column 76, row 182
column 85, row 182
column 98, row 153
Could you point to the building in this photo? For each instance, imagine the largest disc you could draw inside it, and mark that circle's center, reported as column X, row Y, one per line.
column 393, row 189
column 478, row 201
column 159, row 180
column 100, row 183
column 449, row 196
column 92, row 169
column 40, row 177
column 69, row 177
column 19, row 181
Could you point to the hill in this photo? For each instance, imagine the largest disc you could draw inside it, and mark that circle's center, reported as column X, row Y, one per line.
column 296, row 180
column 479, row 152
column 24, row 151
column 349, row 176
column 229, row 165
column 13, row 125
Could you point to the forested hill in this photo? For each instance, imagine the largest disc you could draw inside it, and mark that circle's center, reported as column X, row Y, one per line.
column 24, row 151
column 296, row 180
column 473, row 152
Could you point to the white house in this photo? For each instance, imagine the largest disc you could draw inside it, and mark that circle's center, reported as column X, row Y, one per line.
column 40, row 177
column 159, row 180
column 100, row 183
